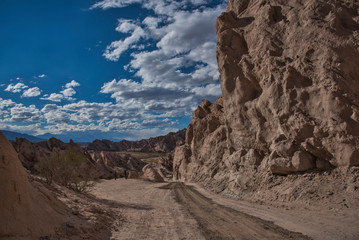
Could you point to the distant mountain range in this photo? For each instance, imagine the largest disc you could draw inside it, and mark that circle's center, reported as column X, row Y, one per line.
column 165, row 143
column 13, row 135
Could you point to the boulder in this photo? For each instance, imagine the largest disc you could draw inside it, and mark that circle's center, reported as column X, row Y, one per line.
column 303, row 161
column 149, row 172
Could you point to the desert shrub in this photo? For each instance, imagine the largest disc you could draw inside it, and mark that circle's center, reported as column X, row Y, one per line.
column 68, row 168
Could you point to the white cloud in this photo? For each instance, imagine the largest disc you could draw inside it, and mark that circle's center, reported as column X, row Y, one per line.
column 54, row 97
column 115, row 49
column 177, row 66
column 16, row 88
column 126, row 26
column 105, row 4
column 30, row 128
column 172, row 57
column 21, row 113
column 4, row 103
column 31, row 92
column 209, row 90
column 66, row 94
column 73, row 84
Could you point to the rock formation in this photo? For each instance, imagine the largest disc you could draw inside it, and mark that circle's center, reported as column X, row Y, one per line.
column 111, row 163
column 30, row 152
column 107, row 163
column 165, row 143
column 25, row 210
column 151, row 173
column 289, row 77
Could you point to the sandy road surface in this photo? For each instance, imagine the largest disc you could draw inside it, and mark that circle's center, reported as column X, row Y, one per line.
column 149, row 212
column 177, row 211
column 221, row 222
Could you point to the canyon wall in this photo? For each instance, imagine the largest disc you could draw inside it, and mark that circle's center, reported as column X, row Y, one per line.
column 289, row 74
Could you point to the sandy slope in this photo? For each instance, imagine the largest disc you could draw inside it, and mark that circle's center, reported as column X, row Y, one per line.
column 171, row 211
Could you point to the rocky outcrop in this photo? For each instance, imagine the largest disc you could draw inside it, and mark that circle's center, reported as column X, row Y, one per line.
column 152, row 174
column 205, row 144
column 30, row 152
column 111, row 163
column 25, row 210
column 289, row 79
column 106, row 163
column 165, row 143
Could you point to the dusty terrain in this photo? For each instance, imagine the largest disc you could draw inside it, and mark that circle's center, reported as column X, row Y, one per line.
column 181, row 211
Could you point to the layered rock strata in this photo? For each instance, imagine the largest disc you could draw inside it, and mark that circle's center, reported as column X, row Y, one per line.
column 289, row 77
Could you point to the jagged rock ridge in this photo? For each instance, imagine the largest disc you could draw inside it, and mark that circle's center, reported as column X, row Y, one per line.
column 107, row 163
column 289, row 79
column 165, row 143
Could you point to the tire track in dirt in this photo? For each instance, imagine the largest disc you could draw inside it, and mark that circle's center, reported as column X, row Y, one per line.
column 219, row 222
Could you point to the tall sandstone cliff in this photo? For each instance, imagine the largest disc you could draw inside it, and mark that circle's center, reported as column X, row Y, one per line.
column 289, row 74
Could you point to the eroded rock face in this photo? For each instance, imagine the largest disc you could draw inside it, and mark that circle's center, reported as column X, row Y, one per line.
column 289, row 77
column 25, row 210
column 203, row 151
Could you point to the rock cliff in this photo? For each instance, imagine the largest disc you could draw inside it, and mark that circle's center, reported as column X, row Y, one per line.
column 165, row 143
column 289, row 77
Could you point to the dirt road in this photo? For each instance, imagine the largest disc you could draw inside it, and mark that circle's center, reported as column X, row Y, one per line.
column 221, row 222
column 178, row 211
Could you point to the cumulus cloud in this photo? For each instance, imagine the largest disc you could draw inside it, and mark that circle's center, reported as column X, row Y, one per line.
column 173, row 63
column 177, row 65
column 16, row 88
column 72, row 84
column 115, row 49
column 54, row 97
column 31, row 92
column 4, row 103
column 66, row 93
column 21, row 113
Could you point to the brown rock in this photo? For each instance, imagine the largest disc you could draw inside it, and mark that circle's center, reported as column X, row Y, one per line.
column 289, row 81
column 303, row 161
column 149, row 172
column 25, row 211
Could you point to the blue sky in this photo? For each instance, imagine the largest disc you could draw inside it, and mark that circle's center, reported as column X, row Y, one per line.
column 111, row 69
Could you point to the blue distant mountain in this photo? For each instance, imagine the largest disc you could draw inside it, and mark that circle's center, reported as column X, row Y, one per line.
column 13, row 135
